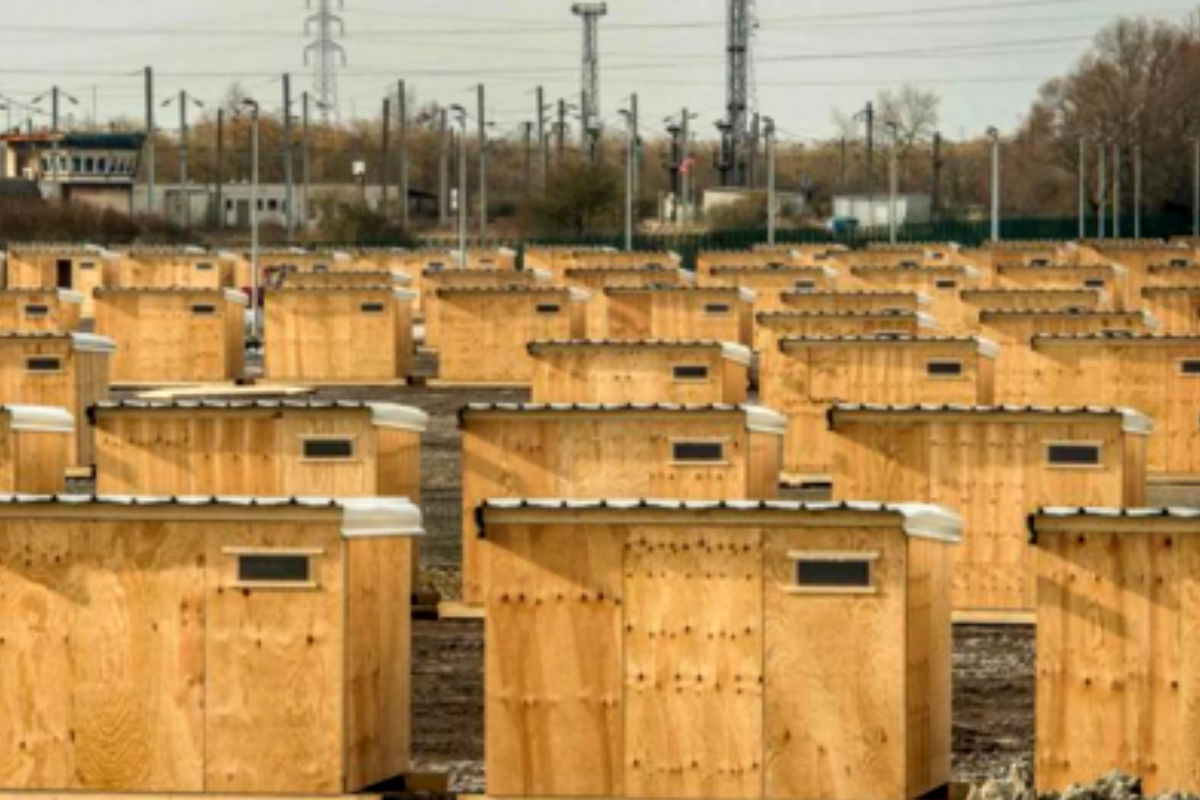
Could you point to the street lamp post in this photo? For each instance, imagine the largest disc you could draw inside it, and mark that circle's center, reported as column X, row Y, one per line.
column 462, row 183
column 254, row 277
column 629, row 159
column 994, row 135
column 893, row 182
column 772, row 200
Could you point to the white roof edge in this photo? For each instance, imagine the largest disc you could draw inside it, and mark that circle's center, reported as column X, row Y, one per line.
column 404, row 294
column 92, row 343
column 674, row 256
column 70, row 296
column 41, row 419
column 737, row 353
column 341, row 255
column 829, row 272
column 926, row 320
column 575, row 294
column 687, row 278
column 506, row 251
column 237, row 296
column 925, row 521
column 1118, row 270
column 373, row 517
column 227, row 255
column 970, row 271
column 760, row 419
column 923, row 299
column 541, row 275
column 401, row 277
column 1150, row 321
column 394, row 415
column 988, row 348
column 746, row 295
column 1133, row 421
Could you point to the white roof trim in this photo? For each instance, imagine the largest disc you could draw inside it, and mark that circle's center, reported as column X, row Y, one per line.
column 228, row 255
column 926, row 320
column 394, row 415
column 507, row 251
column 401, row 277
column 541, row 275
column 367, row 517
column 404, row 294
column 1133, row 421
column 577, row 295
column 236, row 296
column 69, row 296
column 746, row 295
column 687, row 278
column 988, row 348
column 1150, row 321
column 970, row 272
column 925, row 521
column 674, row 256
column 923, row 299
column 341, row 255
column 91, row 343
column 738, row 353
column 41, row 419
column 760, row 419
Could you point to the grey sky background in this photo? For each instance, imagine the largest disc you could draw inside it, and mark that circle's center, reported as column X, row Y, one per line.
column 985, row 59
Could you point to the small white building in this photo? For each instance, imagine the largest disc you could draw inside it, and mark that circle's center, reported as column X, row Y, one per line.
column 871, row 211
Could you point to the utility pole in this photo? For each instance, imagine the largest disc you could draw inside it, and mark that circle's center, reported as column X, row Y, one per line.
column 220, row 170
column 462, row 184
column 483, row 147
column 772, row 201
column 739, row 25
column 288, row 161
column 935, row 190
column 443, row 169
column 149, row 81
column 842, row 168
column 1137, row 190
column 185, row 200
column 994, row 135
column 527, row 143
column 402, row 113
column 589, row 95
column 630, row 150
column 383, row 156
column 894, row 184
column 1196, row 187
column 637, row 149
column 1116, row 204
column 55, row 93
column 305, row 158
column 543, row 152
column 752, row 151
column 1082, row 188
column 869, row 113
column 561, row 130
column 325, row 54
column 254, row 276
column 1102, row 182
column 685, row 168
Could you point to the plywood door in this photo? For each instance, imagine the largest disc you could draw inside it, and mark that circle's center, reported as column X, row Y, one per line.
column 693, row 663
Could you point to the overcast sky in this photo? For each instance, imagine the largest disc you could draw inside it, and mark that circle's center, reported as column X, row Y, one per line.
column 985, row 59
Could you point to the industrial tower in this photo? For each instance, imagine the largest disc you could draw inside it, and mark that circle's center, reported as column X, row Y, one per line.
column 325, row 55
column 735, row 133
column 589, row 105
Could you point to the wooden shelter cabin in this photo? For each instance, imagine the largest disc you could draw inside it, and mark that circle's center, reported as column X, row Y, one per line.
column 941, row 284
column 40, row 310
column 262, row 448
column 708, row 260
column 1030, row 252
column 771, row 326
column 595, row 280
column 592, row 450
column 230, row 647
column 556, row 260
column 769, row 282
column 977, row 300
column 809, row 374
column 1177, row 308
column 1112, row 279
column 657, row 371
column 57, row 369
column 1136, row 256
column 1157, row 374
column 485, row 333
column 37, row 448
column 356, row 277
column 721, row 313
column 339, row 335
column 70, row 267
column 655, row 648
column 916, row 255
column 434, row 280
column 173, row 335
column 603, row 258
column 994, row 465
column 849, row 300
column 1179, row 271
column 1116, row 620
column 1014, row 332
column 188, row 267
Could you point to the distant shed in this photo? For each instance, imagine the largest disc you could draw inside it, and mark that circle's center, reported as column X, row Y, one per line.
column 176, row 646
column 651, row 648
column 655, row 371
column 40, row 310
column 809, row 374
column 1116, row 621
column 725, row 314
column 173, row 335
column 485, row 333
column 57, row 369
column 994, row 466
column 263, row 448
column 339, row 334
column 714, row 452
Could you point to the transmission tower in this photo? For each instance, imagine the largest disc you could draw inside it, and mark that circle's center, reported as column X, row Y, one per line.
column 325, row 55
column 590, row 93
column 740, row 26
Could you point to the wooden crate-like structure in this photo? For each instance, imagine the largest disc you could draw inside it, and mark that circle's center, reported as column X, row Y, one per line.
column 724, row 314
column 190, row 267
column 942, row 284
column 1116, row 618
column 598, row 451
column 771, row 326
column 833, row 302
column 977, row 300
column 37, row 447
column 1177, row 308
column 262, row 448
column 663, row 649
column 40, row 310
column 173, row 335
column 357, row 277
column 994, row 466
column 1158, row 375
column 770, row 281
column 1014, row 331
column 809, row 374
column 595, row 280
column 485, row 333
column 57, row 369
column 708, row 260
column 656, row 371
column 434, row 280
column 1113, row 279
column 185, row 646
column 79, row 268
column 339, row 335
